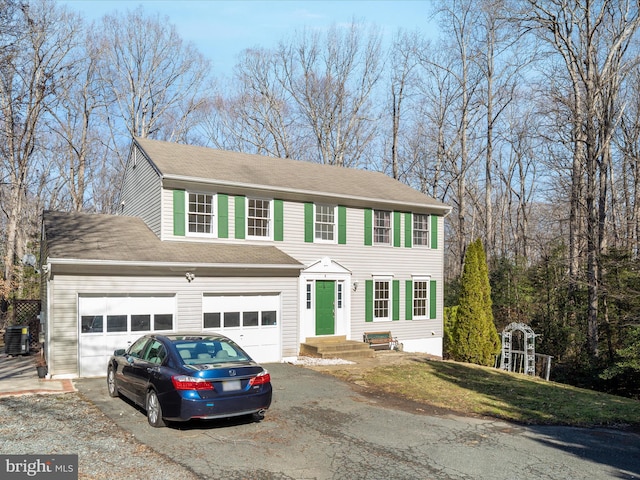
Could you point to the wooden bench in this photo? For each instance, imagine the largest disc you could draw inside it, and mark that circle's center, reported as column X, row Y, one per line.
column 380, row 340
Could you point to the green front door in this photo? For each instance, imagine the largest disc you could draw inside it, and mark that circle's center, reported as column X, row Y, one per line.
column 325, row 307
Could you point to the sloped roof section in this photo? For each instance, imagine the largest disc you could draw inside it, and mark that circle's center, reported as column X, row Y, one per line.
column 195, row 163
column 113, row 238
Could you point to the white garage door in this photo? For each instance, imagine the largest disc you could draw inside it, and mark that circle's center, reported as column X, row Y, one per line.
column 252, row 321
column 108, row 322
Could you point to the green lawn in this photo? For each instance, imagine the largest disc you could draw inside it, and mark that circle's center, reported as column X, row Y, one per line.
column 470, row 389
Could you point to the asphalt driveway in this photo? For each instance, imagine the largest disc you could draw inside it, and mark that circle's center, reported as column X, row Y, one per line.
column 318, row 427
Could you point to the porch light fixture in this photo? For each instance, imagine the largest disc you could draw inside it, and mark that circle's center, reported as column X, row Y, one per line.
column 190, row 276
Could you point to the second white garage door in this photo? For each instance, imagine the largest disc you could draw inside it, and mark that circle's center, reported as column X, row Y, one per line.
column 253, row 321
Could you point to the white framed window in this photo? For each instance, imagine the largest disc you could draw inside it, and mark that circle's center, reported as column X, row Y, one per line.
column 382, row 293
column 420, row 297
column 259, row 217
column 200, row 213
column 325, row 223
column 381, row 227
column 420, row 229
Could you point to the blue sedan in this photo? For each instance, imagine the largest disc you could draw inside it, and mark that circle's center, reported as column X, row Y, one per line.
column 183, row 376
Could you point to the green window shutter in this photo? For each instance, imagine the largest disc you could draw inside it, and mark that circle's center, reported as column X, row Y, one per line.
column 368, row 298
column 342, row 225
column 308, row 222
column 179, row 217
column 240, row 217
column 434, row 231
column 278, row 221
column 368, row 226
column 396, row 300
column 408, row 299
column 432, row 299
column 396, row 228
column 408, row 230
column 223, row 216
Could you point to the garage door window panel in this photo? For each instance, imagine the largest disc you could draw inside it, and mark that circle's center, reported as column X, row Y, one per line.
column 212, row 320
column 269, row 318
column 163, row 321
column 116, row 323
column 140, row 323
column 250, row 319
column 231, row 319
column 92, row 324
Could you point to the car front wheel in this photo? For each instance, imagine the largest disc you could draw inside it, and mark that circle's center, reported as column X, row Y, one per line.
column 154, row 410
column 111, row 382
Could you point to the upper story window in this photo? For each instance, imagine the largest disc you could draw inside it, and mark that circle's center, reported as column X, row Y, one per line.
column 200, row 213
column 325, row 223
column 259, row 218
column 420, row 229
column 382, row 227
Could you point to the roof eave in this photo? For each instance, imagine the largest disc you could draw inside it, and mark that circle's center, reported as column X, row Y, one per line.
column 169, row 265
column 445, row 209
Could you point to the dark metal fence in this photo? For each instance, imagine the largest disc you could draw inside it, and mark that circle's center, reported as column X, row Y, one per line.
column 26, row 312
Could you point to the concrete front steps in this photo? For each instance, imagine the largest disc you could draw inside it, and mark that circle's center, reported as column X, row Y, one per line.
column 335, row 347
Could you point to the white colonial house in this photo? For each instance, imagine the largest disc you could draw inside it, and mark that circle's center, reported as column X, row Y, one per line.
column 268, row 251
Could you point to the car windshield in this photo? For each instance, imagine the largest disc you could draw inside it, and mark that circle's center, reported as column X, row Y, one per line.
column 206, row 351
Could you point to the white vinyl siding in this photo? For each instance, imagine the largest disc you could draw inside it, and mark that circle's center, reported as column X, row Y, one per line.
column 362, row 262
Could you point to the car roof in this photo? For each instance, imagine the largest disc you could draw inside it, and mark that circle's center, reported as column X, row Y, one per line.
column 177, row 337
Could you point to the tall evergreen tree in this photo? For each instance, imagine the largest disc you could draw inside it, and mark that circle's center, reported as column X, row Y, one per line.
column 475, row 338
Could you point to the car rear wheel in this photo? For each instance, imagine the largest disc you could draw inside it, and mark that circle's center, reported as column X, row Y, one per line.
column 154, row 410
column 111, row 383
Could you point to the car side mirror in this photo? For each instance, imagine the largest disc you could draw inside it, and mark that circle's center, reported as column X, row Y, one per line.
column 119, row 352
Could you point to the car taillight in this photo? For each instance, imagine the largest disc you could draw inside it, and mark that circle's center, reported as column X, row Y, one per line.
column 260, row 379
column 184, row 382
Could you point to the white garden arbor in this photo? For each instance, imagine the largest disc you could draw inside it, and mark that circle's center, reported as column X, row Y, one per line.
column 528, row 348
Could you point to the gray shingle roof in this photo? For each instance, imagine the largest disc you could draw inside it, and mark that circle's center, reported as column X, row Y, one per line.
column 177, row 161
column 113, row 238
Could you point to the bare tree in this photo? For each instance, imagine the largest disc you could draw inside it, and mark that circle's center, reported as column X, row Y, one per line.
column 454, row 59
column 34, row 56
column 404, row 61
column 256, row 115
column 331, row 80
column 592, row 39
column 153, row 81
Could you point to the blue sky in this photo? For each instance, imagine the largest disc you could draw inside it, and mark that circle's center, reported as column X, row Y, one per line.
column 222, row 29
